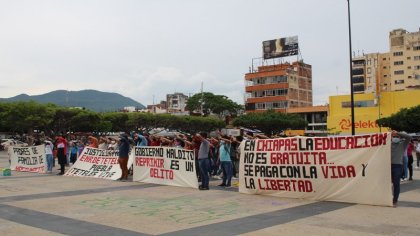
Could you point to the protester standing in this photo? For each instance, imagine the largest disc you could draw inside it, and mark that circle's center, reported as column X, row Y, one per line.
column 399, row 145
column 417, row 146
column 49, row 146
column 123, row 147
column 203, row 160
column 410, row 149
column 226, row 161
column 61, row 153
column 73, row 152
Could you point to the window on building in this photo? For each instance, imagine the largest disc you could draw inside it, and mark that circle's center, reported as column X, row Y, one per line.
column 409, row 67
column 385, row 76
column 281, row 79
column 398, row 54
column 366, row 103
column 416, row 67
column 410, row 77
column 400, row 81
column 358, row 71
column 369, row 70
column 384, row 59
column 359, row 88
column 416, row 48
column 269, row 92
column 408, row 58
column 384, row 67
column 398, row 72
column 397, row 63
column 358, row 80
column 281, row 92
column 260, row 106
column 417, row 76
column 416, row 58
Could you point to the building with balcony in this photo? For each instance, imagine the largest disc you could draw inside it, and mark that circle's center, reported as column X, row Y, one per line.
column 278, row 87
column 176, row 103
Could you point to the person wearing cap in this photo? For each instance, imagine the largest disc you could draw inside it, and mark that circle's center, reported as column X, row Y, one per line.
column 123, row 147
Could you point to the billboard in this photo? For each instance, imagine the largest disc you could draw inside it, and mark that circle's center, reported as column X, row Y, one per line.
column 281, row 47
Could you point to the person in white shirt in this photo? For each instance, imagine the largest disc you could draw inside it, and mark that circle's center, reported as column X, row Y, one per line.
column 49, row 146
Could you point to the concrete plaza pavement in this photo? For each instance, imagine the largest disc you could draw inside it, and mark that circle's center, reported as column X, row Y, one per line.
column 46, row 204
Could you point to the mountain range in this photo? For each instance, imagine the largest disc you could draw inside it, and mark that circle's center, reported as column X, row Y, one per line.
column 90, row 99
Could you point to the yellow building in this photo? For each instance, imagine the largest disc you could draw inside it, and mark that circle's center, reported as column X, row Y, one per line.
column 367, row 109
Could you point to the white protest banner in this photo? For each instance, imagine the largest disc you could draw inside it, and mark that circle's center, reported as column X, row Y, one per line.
column 165, row 165
column 355, row 169
column 28, row 159
column 98, row 163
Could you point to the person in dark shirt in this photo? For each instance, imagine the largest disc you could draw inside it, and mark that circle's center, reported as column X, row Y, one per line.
column 123, row 147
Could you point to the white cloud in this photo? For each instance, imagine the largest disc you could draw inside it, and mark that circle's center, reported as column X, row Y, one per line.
column 146, row 49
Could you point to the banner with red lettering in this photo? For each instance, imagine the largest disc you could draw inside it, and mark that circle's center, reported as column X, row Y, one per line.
column 98, row 163
column 165, row 165
column 355, row 169
column 28, row 159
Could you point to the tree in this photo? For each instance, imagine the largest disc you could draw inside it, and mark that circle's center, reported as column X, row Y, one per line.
column 216, row 104
column 270, row 122
column 407, row 119
column 24, row 117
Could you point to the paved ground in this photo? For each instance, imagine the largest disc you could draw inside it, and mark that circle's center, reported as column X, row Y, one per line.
column 45, row 204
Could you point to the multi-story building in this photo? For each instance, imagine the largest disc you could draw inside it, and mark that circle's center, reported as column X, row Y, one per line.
column 396, row 70
column 404, row 59
column 384, row 83
column 278, row 87
column 316, row 116
column 176, row 103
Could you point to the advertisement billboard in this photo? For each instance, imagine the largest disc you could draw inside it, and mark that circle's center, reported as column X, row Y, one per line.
column 281, row 47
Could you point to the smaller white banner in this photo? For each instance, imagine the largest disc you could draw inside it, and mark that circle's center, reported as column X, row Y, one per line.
column 98, row 163
column 28, row 159
column 165, row 165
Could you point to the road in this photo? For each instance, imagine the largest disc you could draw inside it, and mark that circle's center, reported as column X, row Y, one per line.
column 46, row 204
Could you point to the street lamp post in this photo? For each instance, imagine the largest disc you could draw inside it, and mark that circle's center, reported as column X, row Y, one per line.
column 351, row 75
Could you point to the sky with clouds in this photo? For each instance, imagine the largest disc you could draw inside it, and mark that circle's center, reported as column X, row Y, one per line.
column 145, row 49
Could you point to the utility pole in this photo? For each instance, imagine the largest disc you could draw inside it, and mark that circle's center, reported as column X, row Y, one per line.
column 202, row 98
column 351, row 75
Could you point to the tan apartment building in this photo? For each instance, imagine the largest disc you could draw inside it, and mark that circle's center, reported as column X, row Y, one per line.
column 396, row 70
column 278, row 87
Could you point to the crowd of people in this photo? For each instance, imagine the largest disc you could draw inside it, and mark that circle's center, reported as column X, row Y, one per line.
column 216, row 156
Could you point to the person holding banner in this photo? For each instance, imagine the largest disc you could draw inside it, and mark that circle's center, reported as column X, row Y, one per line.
column 203, row 160
column 61, row 153
column 49, row 146
column 399, row 145
column 124, row 148
column 225, row 160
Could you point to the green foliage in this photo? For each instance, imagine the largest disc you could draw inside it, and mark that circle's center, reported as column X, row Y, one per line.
column 407, row 119
column 216, row 104
column 23, row 117
column 270, row 122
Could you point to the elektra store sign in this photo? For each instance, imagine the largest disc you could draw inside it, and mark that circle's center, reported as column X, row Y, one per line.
column 345, row 124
